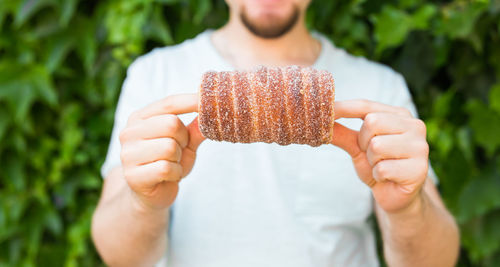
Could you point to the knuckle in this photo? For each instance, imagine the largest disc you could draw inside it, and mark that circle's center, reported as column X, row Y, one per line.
column 382, row 170
column 420, row 126
column 423, row 148
column 169, row 124
column 170, row 146
column 129, row 178
column 375, row 145
column 172, row 123
column 164, row 168
column 426, row 149
column 124, row 135
column 124, row 154
column 424, row 167
column 371, row 120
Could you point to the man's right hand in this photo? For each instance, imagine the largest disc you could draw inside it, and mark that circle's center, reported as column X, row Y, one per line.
column 158, row 150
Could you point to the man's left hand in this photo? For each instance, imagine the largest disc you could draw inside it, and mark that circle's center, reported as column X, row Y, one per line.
column 390, row 152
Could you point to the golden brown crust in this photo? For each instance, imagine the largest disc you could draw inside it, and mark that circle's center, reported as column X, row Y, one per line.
column 224, row 97
column 208, row 108
column 282, row 105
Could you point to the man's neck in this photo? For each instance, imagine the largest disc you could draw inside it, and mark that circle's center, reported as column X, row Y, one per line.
column 244, row 50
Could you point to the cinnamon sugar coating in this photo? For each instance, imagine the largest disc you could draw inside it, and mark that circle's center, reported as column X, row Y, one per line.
column 284, row 105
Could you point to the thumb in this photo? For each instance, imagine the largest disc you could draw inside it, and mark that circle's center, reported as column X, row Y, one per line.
column 346, row 139
column 195, row 136
column 189, row 152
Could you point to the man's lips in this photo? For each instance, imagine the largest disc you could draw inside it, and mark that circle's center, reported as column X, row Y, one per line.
column 268, row 3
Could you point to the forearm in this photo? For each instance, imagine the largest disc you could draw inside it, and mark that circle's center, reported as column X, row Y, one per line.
column 126, row 235
column 425, row 234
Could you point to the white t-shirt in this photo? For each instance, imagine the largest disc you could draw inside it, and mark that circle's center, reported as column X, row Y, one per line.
column 263, row 204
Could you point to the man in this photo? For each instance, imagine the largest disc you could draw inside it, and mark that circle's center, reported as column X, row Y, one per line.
column 264, row 204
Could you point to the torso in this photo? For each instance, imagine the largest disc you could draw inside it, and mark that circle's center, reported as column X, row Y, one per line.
column 264, row 204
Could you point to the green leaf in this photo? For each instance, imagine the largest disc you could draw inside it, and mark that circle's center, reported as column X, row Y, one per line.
column 441, row 50
column 86, row 46
column 421, row 18
column 202, row 9
column 494, row 6
column 50, row 254
column 391, row 27
column 42, row 82
column 15, row 204
column 59, row 48
column 485, row 124
column 442, row 104
column 125, row 22
column 158, row 28
column 495, row 98
column 53, row 222
column 168, row 2
column 480, row 196
column 481, row 236
column 3, row 11
column 28, row 8
column 417, row 61
column 464, row 143
column 67, row 10
column 459, row 18
column 4, row 123
column 20, row 96
column 22, row 86
column 14, row 172
column 3, row 218
column 407, row 3
column 78, row 232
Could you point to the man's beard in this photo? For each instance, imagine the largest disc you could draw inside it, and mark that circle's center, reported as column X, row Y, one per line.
column 273, row 29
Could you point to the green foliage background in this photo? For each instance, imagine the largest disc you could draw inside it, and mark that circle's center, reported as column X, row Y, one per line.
column 62, row 63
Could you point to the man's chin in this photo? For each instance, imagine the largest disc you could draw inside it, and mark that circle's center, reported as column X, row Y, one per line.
column 269, row 27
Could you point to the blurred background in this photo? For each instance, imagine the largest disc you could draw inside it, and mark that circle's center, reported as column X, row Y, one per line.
column 62, row 63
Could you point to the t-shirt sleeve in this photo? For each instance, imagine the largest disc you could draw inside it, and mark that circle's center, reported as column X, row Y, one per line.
column 134, row 96
column 400, row 96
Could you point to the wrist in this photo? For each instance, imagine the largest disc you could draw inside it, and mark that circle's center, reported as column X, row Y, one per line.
column 141, row 209
column 414, row 208
column 410, row 220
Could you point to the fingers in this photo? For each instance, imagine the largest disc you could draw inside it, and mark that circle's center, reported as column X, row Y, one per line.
column 174, row 104
column 189, row 153
column 346, row 139
column 195, row 136
column 396, row 170
column 153, row 145
column 147, row 151
column 360, row 108
column 146, row 176
column 380, row 124
column 399, row 146
column 376, row 124
column 166, row 125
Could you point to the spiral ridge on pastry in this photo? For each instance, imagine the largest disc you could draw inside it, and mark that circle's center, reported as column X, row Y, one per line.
column 284, row 105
